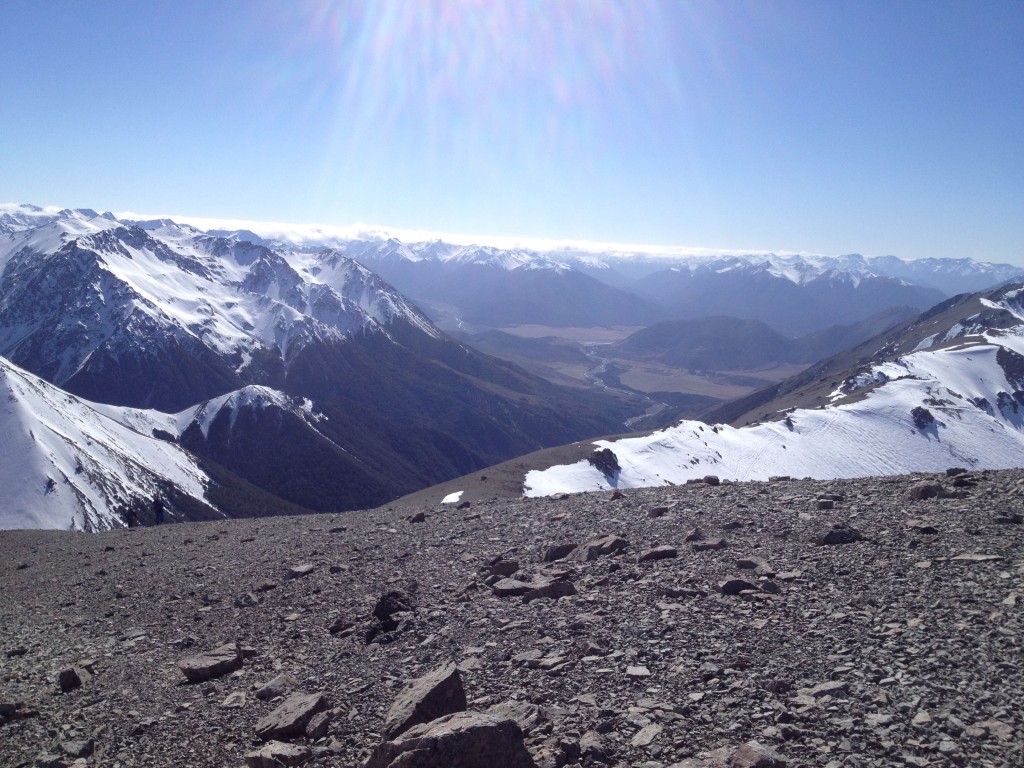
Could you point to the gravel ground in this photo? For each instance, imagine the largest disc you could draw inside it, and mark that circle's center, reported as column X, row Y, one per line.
column 902, row 646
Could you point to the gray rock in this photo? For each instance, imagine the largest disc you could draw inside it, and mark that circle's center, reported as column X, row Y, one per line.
column 550, row 589
column 511, row 588
column 735, row 586
column 206, row 666
column 317, row 726
column 595, row 548
column 78, row 748
column 710, row 546
column 71, row 678
column 391, row 603
column 663, row 552
column 427, row 698
column 279, row 686
column 840, row 534
column 558, row 552
column 291, row 718
column 457, row 740
column 756, row 755
column 275, row 754
column 298, row 571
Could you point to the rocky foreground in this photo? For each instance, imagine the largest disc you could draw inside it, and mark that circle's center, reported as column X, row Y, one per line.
column 872, row 622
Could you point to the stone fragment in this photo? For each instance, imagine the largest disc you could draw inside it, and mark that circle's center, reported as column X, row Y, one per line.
column 595, row 548
column 526, row 715
column 511, row 588
column 840, row 533
column 71, row 678
column 427, row 698
column 78, row 748
column 206, row 666
column 655, row 512
column 663, row 552
column 234, row 700
column 710, row 546
column 735, row 586
column 419, row 517
column 1010, row 518
column 550, row 589
column 502, row 567
column 823, row 504
column 924, row 490
column 592, row 748
column 318, row 725
column 457, row 740
column 274, row 754
column 558, row 552
column 248, row 600
column 637, row 671
column 298, row 571
column 695, row 535
column 712, row 480
column 279, row 686
column 646, row 735
column 391, row 603
column 291, row 718
column 756, row 755
column 341, row 626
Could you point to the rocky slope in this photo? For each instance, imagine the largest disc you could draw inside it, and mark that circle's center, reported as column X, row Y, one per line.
column 870, row 622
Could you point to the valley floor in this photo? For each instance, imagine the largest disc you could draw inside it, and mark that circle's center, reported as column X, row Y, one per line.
column 900, row 647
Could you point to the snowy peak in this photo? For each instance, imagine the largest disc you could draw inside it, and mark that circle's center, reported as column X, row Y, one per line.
column 70, row 464
column 952, row 397
column 253, row 398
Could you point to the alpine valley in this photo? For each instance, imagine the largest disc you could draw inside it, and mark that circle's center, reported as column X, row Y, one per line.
column 238, row 373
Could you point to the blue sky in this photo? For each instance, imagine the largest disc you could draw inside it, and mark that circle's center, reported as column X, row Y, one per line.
column 826, row 127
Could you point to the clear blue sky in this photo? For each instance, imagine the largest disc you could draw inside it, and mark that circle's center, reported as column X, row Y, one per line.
column 830, row 127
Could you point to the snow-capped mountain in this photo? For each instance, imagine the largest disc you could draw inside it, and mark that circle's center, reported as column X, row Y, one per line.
column 68, row 463
column 81, row 297
column 315, row 380
column 945, row 389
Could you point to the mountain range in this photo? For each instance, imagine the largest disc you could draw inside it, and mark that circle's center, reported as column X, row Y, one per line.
column 318, row 382
column 239, row 375
column 945, row 389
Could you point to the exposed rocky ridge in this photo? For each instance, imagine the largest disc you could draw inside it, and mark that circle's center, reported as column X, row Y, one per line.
column 898, row 645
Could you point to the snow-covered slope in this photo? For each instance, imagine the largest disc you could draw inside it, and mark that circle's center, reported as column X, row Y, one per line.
column 81, row 294
column 958, row 400
column 67, row 463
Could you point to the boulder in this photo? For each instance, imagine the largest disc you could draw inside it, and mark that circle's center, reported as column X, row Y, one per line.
column 427, row 698
column 291, row 718
column 457, row 740
column 206, row 666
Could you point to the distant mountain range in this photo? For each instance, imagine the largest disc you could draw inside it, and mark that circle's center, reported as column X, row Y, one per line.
column 310, row 377
column 945, row 389
column 235, row 374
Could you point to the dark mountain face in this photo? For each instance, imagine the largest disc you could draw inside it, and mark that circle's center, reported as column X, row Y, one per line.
column 788, row 307
column 734, row 344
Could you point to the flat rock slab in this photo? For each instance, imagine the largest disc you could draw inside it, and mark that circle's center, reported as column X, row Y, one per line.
column 427, row 698
column 206, row 666
column 511, row 588
column 658, row 553
column 291, row 718
column 298, row 571
column 458, row 740
column 274, row 754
